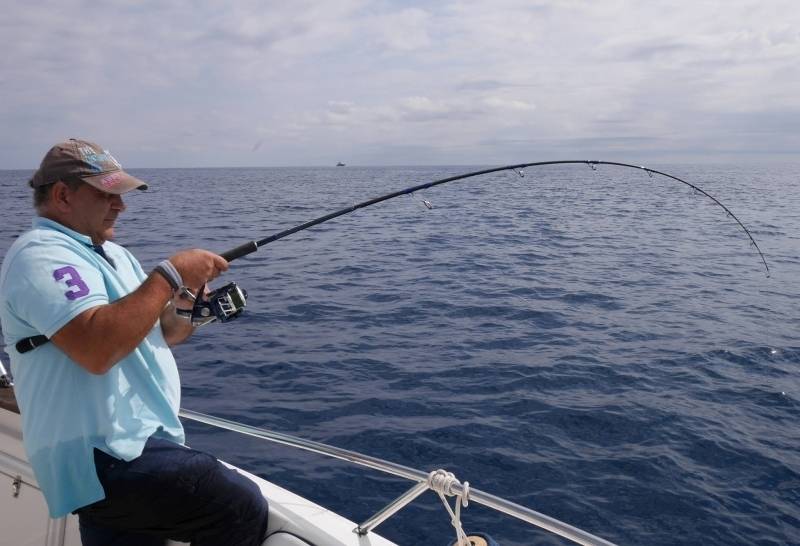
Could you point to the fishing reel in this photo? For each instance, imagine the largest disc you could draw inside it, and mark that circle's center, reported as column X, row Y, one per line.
column 223, row 304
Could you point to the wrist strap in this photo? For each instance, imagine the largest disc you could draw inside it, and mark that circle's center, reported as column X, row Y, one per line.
column 184, row 313
column 168, row 271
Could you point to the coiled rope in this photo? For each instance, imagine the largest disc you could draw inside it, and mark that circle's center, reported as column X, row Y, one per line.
column 443, row 482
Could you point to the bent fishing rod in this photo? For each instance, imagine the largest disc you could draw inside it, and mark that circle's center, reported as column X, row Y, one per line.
column 252, row 246
column 228, row 302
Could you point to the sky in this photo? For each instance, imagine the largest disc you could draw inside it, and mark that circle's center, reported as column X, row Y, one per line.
column 201, row 83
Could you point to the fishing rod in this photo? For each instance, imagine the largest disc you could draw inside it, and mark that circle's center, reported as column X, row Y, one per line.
column 252, row 246
column 228, row 302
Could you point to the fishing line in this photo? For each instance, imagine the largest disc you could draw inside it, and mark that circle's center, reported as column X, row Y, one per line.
column 252, row 246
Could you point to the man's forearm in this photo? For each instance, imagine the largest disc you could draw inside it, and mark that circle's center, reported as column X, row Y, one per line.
column 101, row 336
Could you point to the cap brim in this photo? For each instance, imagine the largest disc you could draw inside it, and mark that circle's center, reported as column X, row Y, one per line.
column 116, row 182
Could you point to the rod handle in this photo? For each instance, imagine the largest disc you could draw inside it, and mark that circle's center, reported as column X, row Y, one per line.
column 239, row 251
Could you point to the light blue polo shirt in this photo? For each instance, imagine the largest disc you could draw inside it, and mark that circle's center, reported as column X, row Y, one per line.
column 50, row 275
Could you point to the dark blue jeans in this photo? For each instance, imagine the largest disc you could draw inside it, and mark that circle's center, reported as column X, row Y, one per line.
column 172, row 492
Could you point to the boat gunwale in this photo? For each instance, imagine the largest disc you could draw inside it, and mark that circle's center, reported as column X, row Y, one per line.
column 8, row 402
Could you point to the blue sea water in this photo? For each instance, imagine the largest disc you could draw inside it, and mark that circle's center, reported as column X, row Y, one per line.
column 602, row 347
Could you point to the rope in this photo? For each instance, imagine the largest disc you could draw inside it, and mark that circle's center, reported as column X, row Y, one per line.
column 442, row 482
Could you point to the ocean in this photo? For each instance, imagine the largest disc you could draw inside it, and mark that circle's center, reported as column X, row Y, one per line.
column 600, row 346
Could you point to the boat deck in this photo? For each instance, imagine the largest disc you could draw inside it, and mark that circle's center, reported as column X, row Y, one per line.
column 8, row 401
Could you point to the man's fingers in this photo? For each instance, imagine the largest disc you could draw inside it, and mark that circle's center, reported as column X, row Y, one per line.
column 198, row 266
column 220, row 263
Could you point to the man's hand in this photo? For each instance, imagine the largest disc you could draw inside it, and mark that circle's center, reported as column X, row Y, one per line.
column 197, row 267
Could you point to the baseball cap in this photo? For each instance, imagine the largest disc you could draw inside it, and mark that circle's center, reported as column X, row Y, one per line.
column 88, row 162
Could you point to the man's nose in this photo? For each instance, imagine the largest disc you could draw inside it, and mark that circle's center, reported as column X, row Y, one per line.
column 117, row 203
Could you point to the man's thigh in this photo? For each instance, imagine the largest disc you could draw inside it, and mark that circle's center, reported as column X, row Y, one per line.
column 174, row 492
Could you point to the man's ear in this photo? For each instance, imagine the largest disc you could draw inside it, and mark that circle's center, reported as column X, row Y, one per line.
column 61, row 197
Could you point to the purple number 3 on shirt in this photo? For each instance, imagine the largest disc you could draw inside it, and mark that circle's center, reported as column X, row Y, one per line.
column 78, row 288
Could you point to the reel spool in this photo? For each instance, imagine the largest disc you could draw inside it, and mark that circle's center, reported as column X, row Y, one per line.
column 223, row 304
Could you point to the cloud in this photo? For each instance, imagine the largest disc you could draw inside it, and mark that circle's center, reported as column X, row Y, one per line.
column 406, row 30
column 426, row 109
column 509, row 105
column 417, row 109
column 162, row 80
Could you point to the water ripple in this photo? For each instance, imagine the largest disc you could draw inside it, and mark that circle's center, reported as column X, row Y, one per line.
column 600, row 346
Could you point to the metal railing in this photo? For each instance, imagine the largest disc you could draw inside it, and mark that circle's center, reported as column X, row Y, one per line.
column 5, row 378
column 421, row 478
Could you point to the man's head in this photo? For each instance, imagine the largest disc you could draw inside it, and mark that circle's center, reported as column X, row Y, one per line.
column 79, row 185
column 82, row 160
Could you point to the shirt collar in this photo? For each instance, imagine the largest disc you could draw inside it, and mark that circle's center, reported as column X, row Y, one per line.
column 47, row 223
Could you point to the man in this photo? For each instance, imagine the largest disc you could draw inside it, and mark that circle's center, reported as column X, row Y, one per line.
column 88, row 333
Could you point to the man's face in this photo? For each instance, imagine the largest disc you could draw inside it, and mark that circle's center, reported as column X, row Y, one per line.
column 93, row 212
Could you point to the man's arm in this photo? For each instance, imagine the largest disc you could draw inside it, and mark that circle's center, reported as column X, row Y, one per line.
column 100, row 337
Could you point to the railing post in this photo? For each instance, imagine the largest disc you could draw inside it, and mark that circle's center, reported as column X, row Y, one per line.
column 391, row 508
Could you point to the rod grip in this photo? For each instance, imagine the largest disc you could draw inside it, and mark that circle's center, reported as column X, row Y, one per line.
column 239, row 251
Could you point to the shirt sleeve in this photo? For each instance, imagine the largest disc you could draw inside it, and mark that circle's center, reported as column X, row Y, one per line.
column 50, row 284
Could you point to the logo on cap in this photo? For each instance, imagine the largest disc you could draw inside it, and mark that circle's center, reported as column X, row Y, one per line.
column 95, row 160
column 111, row 180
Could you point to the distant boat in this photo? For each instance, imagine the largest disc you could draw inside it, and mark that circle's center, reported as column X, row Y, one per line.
column 340, row 164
